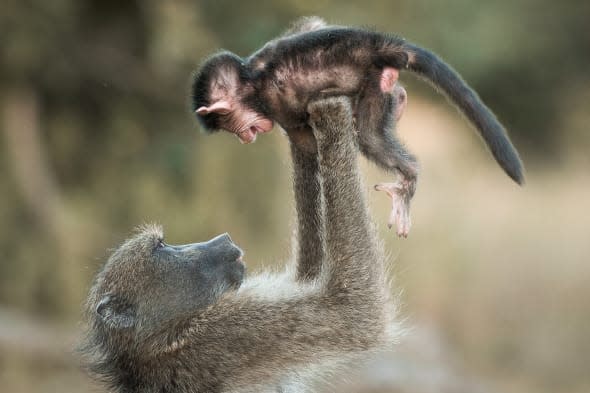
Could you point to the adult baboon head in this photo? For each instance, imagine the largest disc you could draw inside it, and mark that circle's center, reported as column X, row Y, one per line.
column 148, row 285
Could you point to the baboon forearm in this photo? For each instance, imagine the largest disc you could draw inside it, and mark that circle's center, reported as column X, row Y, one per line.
column 308, row 202
column 353, row 259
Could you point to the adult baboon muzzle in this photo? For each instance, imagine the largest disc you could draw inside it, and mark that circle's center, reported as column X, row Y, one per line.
column 222, row 248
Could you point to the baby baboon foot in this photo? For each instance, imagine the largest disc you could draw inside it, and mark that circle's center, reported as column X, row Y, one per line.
column 400, row 193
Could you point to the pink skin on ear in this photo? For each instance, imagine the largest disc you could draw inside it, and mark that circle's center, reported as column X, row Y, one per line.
column 245, row 124
column 220, row 107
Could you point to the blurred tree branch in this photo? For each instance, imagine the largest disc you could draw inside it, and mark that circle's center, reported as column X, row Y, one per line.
column 33, row 176
column 32, row 173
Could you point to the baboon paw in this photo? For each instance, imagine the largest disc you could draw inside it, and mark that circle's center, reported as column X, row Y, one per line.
column 327, row 107
column 399, row 217
column 400, row 207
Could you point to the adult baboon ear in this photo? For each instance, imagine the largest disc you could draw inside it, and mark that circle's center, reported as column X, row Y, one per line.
column 115, row 312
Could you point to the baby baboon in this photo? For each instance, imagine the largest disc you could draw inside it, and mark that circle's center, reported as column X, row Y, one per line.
column 166, row 318
column 245, row 96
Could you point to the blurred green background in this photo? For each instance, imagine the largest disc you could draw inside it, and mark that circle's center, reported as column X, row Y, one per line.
column 96, row 138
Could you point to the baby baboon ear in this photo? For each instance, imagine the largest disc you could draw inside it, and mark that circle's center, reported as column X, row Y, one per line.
column 115, row 312
column 222, row 107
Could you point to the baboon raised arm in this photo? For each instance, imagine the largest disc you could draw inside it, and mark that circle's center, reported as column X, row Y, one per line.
column 308, row 245
column 166, row 318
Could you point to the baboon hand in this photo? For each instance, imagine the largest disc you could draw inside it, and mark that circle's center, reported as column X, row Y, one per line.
column 330, row 114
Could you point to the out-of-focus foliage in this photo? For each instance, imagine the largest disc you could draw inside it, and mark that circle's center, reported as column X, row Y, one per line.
column 97, row 137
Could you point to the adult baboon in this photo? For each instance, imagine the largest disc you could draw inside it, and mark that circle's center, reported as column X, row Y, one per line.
column 168, row 318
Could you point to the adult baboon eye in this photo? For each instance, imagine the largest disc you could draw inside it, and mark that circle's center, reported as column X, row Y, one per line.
column 160, row 244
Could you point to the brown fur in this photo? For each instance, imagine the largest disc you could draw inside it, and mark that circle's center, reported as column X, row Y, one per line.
column 333, row 307
column 313, row 61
